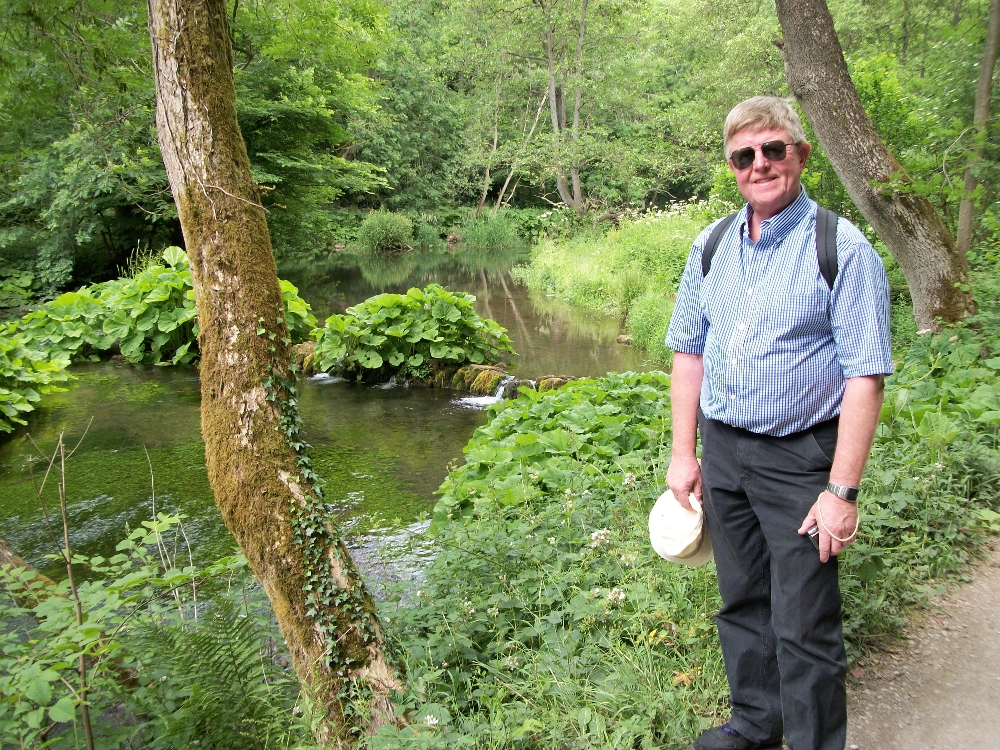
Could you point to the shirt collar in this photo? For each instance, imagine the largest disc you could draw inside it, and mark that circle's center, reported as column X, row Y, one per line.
column 778, row 226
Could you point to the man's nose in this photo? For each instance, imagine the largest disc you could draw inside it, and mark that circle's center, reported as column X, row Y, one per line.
column 759, row 160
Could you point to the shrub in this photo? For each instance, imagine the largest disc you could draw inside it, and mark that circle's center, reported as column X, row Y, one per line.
column 492, row 232
column 385, row 232
column 151, row 317
column 408, row 334
column 25, row 375
column 631, row 272
column 427, row 237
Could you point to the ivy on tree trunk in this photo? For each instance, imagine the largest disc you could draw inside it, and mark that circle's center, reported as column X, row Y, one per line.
column 261, row 480
column 936, row 273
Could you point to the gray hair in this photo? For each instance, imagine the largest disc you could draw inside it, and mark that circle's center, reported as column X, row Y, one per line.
column 763, row 113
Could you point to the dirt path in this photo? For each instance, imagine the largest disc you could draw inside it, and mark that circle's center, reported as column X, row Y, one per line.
column 941, row 692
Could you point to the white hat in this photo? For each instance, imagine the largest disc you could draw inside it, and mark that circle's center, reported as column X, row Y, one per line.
column 678, row 534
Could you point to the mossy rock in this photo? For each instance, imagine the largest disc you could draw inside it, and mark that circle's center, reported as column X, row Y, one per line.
column 304, row 357
column 477, row 377
column 552, row 382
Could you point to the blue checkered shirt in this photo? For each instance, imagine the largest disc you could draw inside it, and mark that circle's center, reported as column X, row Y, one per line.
column 778, row 343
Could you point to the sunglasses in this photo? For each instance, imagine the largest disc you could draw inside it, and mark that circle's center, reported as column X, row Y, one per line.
column 772, row 151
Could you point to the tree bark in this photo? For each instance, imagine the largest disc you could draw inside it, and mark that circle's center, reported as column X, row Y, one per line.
column 908, row 223
column 261, row 483
column 558, row 114
column 980, row 118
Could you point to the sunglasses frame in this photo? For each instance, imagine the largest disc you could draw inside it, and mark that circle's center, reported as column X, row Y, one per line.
column 769, row 145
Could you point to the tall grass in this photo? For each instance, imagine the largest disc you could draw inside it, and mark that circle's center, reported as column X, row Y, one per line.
column 631, row 272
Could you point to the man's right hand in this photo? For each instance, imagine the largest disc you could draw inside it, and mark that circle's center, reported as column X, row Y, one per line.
column 684, row 478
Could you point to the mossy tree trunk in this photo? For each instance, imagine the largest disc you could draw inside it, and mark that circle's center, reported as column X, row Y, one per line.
column 262, row 484
column 907, row 222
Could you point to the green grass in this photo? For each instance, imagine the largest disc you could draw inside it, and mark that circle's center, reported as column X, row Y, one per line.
column 631, row 272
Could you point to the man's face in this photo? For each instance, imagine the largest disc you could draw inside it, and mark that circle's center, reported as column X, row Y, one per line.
column 768, row 186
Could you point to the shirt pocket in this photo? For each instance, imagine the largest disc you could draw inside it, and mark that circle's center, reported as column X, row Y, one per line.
column 798, row 311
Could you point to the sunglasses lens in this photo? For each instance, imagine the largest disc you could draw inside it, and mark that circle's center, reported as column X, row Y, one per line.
column 743, row 157
column 773, row 150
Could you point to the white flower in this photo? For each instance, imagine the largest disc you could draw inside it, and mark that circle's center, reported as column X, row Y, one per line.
column 599, row 537
column 628, row 480
column 510, row 663
column 467, row 606
column 615, row 597
column 430, row 721
column 568, row 492
column 552, row 540
column 585, row 493
column 629, row 559
column 493, row 611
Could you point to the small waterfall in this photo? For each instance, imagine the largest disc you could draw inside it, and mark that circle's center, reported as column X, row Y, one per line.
column 498, row 394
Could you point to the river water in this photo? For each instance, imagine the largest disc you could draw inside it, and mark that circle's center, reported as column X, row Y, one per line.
column 382, row 451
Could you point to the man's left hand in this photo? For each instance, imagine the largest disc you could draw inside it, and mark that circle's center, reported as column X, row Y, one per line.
column 839, row 517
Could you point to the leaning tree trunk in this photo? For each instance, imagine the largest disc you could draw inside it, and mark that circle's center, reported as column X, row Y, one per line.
column 980, row 117
column 262, row 485
column 907, row 222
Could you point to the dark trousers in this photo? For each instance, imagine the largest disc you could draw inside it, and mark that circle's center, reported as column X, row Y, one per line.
column 780, row 624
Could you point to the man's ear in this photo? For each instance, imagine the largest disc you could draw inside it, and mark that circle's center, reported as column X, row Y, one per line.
column 804, row 148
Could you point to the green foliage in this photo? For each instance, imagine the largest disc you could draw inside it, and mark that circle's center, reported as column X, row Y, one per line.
column 25, row 375
column 631, row 272
column 181, row 674
column 540, row 443
column 385, row 232
column 150, row 317
column 15, row 288
column 409, row 334
column 219, row 682
column 493, row 232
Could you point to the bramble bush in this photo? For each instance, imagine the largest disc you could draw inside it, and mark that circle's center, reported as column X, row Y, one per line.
column 408, row 334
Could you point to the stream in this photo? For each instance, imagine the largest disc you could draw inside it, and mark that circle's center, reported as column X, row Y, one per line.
column 382, row 451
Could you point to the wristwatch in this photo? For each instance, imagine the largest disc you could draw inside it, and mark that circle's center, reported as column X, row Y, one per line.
column 850, row 494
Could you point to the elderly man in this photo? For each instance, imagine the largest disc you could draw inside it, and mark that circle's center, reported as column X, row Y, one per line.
column 779, row 362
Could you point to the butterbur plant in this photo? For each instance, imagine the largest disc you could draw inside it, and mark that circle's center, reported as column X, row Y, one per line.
column 409, row 334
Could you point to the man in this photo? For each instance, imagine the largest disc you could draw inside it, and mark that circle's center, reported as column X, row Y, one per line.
column 783, row 376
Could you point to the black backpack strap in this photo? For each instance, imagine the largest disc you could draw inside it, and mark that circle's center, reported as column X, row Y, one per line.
column 826, row 244
column 713, row 241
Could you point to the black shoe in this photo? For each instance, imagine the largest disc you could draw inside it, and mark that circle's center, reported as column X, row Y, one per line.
column 727, row 738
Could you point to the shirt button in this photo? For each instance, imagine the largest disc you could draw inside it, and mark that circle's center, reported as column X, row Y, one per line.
column 732, row 396
column 732, row 361
column 749, row 290
column 742, row 326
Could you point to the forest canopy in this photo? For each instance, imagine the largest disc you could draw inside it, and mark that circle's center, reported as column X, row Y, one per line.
column 427, row 106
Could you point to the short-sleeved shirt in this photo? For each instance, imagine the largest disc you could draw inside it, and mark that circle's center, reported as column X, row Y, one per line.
column 778, row 343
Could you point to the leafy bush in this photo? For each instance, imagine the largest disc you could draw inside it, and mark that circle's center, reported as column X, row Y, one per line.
column 492, row 232
column 384, row 231
column 25, row 375
column 428, row 237
column 540, row 444
column 409, row 333
column 152, row 317
column 15, row 288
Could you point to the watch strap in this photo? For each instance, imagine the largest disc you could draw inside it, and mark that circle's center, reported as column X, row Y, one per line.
column 844, row 492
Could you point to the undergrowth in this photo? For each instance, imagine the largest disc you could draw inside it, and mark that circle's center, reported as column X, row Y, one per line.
column 631, row 272
column 547, row 621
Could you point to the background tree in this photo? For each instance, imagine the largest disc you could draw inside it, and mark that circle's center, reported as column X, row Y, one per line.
column 905, row 220
column 261, row 485
column 980, row 119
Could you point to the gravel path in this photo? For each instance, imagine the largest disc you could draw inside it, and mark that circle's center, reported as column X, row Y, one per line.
column 942, row 691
